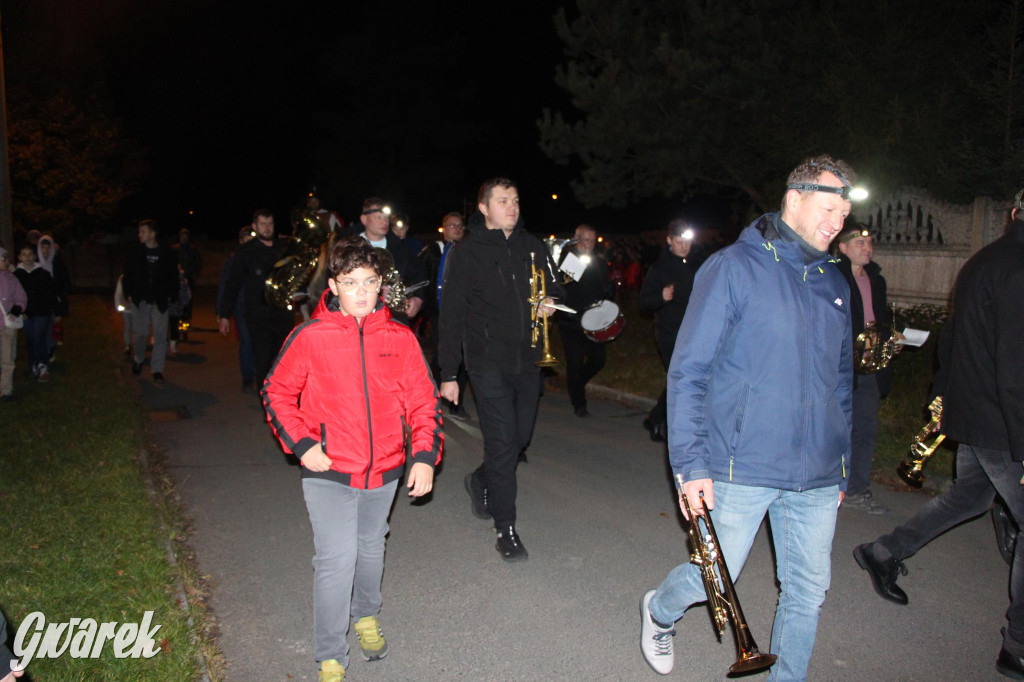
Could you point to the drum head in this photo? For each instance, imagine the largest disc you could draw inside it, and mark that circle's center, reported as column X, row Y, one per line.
column 599, row 316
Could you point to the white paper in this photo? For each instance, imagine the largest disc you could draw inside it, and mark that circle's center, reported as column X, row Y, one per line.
column 914, row 337
column 573, row 266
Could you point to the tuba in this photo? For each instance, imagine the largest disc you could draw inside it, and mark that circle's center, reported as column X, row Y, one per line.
column 724, row 603
column 921, row 452
column 874, row 347
column 539, row 322
column 293, row 271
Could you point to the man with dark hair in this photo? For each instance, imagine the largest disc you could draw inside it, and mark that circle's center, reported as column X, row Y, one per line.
column 981, row 381
column 487, row 314
column 150, row 284
column 584, row 357
column 252, row 264
column 759, row 411
column 376, row 220
column 666, row 293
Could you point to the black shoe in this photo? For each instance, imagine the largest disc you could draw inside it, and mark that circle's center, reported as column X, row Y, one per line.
column 510, row 546
column 883, row 573
column 477, row 497
column 582, row 412
column 458, row 414
column 521, row 459
column 249, row 386
column 1006, row 532
column 1009, row 665
column 136, row 368
column 158, row 377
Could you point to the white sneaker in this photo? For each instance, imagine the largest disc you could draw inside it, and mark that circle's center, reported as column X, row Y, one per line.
column 173, row 348
column 655, row 642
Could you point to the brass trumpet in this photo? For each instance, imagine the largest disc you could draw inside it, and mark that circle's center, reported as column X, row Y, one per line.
column 725, row 606
column 921, row 452
column 538, row 321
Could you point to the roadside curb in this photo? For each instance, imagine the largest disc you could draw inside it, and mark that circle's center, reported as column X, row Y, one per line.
column 556, row 383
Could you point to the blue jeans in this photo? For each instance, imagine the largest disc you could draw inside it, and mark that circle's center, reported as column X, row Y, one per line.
column 980, row 473
column 35, row 341
column 349, row 529
column 802, row 524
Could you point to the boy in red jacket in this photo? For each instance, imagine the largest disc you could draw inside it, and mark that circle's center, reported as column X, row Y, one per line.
column 345, row 389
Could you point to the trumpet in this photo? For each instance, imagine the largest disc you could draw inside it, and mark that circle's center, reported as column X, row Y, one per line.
column 875, row 346
column 920, row 451
column 724, row 603
column 538, row 321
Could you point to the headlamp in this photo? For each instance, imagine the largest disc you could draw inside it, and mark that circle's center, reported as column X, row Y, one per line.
column 846, row 191
column 386, row 210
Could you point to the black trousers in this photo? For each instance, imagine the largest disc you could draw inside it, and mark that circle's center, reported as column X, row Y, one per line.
column 659, row 413
column 507, row 407
column 583, row 360
column 268, row 335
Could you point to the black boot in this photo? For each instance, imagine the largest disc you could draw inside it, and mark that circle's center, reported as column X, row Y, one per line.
column 1006, row 532
column 883, row 573
column 1008, row 663
column 509, row 545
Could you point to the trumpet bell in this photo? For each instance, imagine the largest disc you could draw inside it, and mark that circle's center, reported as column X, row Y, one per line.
column 752, row 661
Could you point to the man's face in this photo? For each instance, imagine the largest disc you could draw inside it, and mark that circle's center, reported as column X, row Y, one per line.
column 146, row 234
column 586, row 240
column 817, row 216
column 679, row 245
column 859, row 250
column 453, row 229
column 264, row 227
column 501, row 210
column 376, row 223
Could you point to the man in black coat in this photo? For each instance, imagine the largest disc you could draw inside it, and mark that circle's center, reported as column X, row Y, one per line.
column 252, row 264
column 150, row 284
column 584, row 357
column 487, row 313
column 981, row 381
column 376, row 225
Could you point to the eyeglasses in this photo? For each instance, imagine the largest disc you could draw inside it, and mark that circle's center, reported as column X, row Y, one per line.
column 350, row 286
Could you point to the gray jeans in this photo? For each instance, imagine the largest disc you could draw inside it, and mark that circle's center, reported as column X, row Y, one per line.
column 349, row 527
column 144, row 314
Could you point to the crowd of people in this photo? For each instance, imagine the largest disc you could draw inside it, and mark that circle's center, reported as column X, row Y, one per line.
column 766, row 412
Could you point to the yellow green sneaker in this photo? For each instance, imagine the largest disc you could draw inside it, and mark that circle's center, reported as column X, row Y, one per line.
column 371, row 640
column 331, row 671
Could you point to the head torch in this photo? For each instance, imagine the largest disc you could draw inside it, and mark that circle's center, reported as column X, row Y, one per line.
column 847, row 192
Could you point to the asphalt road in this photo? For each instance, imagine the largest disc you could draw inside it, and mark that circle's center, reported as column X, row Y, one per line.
column 598, row 516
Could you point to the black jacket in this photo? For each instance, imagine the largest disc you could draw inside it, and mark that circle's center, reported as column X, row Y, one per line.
column 595, row 285
column 250, row 267
column 879, row 304
column 40, row 291
column 486, row 311
column 157, row 285
column 981, row 351
column 668, row 269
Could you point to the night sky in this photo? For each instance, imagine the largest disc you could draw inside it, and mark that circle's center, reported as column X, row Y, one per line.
column 242, row 107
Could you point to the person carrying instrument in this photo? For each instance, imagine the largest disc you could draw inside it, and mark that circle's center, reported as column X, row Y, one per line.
column 666, row 293
column 759, row 405
column 584, row 358
column 487, row 312
column 854, row 248
column 981, row 381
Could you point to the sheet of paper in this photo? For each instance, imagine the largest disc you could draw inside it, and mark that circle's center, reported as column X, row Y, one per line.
column 914, row 337
column 573, row 266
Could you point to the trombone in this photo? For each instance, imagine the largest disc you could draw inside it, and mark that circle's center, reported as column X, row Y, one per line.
column 724, row 603
column 920, row 451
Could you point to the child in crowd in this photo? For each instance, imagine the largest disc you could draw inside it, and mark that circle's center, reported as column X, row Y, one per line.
column 42, row 306
column 12, row 304
column 345, row 390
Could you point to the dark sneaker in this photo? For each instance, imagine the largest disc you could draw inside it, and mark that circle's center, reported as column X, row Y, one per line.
column 581, row 412
column 158, row 377
column 883, row 573
column 655, row 641
column 865, row 502
column 459, row 414
column 371, row 639
column 136, row 368
column 478, row 497
column 1009, row 665
column 510, row 546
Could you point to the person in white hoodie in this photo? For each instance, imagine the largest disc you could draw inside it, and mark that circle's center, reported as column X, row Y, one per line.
column 13, row 302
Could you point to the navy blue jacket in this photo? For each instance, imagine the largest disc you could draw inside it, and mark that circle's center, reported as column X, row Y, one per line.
column 761, row 379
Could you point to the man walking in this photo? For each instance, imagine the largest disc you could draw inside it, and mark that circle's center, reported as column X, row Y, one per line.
column 584, row 357
column 981, row 381
column 150, row 284
column 759, row 410
column 486, row 311
column 252, row 264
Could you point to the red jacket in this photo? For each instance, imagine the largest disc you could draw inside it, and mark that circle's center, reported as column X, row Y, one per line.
column 357, row 389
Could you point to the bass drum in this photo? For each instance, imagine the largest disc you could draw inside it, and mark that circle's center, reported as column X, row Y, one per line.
column 603, row 321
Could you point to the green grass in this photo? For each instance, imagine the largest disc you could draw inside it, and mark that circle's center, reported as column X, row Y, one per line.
column 633, row 366
column 82, row 538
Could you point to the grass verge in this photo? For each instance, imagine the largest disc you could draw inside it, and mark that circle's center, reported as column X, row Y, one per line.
column 82, row 537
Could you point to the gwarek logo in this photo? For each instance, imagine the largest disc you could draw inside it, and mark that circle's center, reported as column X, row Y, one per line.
column 82, row 638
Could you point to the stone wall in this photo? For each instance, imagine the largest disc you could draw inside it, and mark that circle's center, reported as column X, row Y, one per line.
column 921, row 243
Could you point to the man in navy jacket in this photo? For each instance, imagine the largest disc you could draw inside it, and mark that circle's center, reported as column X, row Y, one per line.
column 759, row 405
